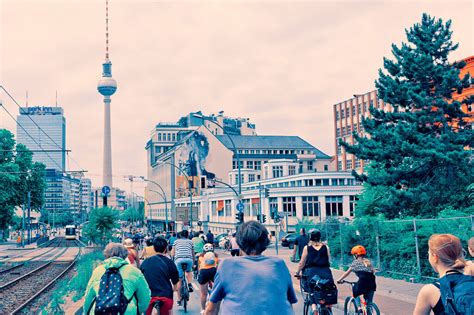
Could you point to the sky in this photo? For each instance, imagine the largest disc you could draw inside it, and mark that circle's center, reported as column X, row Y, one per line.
column 283, row 64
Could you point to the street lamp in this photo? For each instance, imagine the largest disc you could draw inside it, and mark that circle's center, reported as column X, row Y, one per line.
column 162, row 194
column 189, row 186
column 236, row 153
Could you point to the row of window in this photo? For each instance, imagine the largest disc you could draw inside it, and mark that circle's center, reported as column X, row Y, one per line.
column 358, row 164
column 254, row 165
column 347, row 131
column 168, row 137
column 361, row 109
column 311, row 183
column 280, row 152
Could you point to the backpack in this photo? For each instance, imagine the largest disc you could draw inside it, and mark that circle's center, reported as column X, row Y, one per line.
column 457, row 293
column 111, row 298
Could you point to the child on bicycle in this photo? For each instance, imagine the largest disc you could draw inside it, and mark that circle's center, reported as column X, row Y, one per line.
column 364, row 270
column 207, row 263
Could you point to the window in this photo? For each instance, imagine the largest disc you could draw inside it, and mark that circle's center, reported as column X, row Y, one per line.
column 343, row 131
column 214, row 208
column 273, row 204
column 258, row 165
column 342, row 113
column 234, row 164
column 349, row 129
column 277, row 171
column 371, row 103
column 308, row 182
column 359, row 108
column 348, row 164
column 250, row 164
column 159, row 136
column 352, row 204
column 310, row 165
column 347, row 112
column 310, row 206
column 251, row 177
column 338, row 132
column 237, row 179
column 337, row 115
column 291, row 170
column 326, row 182
column 339, row 148
column 289, row 206
column 326, row 167
column 300, row 168
column 173, row 137
column 365, row 107
column 353, row 110
column 246, row 203
column 357, row 163
column 334, row 206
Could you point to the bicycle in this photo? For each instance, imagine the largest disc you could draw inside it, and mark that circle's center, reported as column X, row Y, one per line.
column 354, row 306
column 184, row 289
column 309, row 299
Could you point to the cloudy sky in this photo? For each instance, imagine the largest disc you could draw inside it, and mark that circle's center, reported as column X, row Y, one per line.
column 283, row 64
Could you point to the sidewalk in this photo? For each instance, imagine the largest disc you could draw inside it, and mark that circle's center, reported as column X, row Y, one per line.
column 392, row 296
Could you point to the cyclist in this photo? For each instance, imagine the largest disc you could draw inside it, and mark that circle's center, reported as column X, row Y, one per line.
column 149, row 250
column 446, row 256
column 183, row 252
column 207, row 270
column 364, row 270
column 234, row 247
column 162, row 277
column 314, row 261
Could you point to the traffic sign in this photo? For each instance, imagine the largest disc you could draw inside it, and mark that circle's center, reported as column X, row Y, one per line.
column 106, row 190
column 240, row 206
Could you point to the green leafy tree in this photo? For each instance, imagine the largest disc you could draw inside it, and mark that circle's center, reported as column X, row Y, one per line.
column 18, row 175
column 417, row 151
column 134, row 214
column 101, row 225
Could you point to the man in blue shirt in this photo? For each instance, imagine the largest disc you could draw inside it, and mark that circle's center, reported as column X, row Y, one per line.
column 252, row 284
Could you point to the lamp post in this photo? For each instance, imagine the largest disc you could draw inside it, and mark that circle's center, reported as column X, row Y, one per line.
column 162, row 194
column 190, row 191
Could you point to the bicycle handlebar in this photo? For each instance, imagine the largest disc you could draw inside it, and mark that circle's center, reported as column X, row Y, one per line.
column 348, row 282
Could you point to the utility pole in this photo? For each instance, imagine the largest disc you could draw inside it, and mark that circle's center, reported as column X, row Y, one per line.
column 23, row 229
column 29, row 217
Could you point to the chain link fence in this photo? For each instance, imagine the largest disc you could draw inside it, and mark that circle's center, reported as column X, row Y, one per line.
column 398, row 248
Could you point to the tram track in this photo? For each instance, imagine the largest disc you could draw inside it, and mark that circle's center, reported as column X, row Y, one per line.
column 18, row 293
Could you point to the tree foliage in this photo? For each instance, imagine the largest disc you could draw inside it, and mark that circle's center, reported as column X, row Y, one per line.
column 18, row 175
column 134, row 214
column 419, row 164
column 101, row 225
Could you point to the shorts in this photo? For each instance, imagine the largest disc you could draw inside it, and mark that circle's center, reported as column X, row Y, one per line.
column 189, row 265
column 234, row 252
column 206, row 275
column 165, row 307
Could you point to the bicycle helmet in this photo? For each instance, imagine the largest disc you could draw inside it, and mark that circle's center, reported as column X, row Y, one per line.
column 358, row 250
column 208, row 248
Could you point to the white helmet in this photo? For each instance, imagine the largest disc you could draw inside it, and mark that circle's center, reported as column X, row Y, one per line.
column 208, row 248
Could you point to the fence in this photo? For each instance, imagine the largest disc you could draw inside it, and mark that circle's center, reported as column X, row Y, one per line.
column 397, row 247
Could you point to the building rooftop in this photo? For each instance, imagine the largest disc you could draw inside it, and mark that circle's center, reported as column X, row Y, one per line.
column 270, row 142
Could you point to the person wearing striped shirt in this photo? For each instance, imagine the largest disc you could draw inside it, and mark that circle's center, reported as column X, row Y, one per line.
column 183, row 252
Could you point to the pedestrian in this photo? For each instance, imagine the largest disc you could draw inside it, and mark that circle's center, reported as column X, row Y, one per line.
column 132, row 257
column 135, row 287
column 162, row 277
column 253, row 283
column 183, row 253
column 446, row 257
column 18, row 241
column 470, row 263
column 171, row 241
column 210, row 237
column 301, row 241
column 149, row 250
column 234, row 247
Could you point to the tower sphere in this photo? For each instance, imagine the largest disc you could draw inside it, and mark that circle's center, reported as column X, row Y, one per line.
column 107, row 86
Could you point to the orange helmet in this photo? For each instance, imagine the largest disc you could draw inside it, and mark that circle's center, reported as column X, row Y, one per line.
column 358, row 250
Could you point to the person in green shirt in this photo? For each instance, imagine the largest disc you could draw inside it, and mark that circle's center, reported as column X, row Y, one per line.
column 198, row 243
column 134, row 282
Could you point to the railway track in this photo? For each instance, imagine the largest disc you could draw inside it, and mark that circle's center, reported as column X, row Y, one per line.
column 19, row 292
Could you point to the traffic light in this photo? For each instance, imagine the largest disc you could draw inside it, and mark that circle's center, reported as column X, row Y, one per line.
column 264, row 218
column 258, row 217
column 239, row 216
column 266, row 192
column 203, row 182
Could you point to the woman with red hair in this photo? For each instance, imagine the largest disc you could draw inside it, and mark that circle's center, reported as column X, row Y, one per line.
column 446, row 256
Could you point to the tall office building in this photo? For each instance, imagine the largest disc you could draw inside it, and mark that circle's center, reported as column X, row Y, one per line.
column 44, row 128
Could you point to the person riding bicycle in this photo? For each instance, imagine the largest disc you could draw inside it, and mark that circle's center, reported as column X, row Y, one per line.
column 208, row 261
column 198, row 245
column 183, row 252
column 315, row 261
column 364, row 270
column 162, row 277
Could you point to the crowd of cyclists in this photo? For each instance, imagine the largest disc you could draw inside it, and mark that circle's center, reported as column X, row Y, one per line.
column 134, row 277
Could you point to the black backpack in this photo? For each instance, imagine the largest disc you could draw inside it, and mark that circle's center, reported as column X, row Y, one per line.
column 110, row 299
column 457, row 293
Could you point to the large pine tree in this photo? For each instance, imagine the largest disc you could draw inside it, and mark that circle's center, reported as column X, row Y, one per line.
column 420, row 163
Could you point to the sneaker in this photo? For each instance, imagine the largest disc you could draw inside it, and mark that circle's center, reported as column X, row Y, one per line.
column 190, row 286
column 179, row 303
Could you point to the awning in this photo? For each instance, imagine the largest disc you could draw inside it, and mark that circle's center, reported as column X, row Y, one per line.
column 255, row 201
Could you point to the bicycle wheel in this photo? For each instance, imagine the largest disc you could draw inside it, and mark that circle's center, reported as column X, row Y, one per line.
column 323, row 310
column 303, row 293
column 306, row 307
column 350, row 307
column 185, row 305
column 373, row 309
column 156, row 309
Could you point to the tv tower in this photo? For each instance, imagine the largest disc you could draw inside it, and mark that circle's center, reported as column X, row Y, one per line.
column 107, row 87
